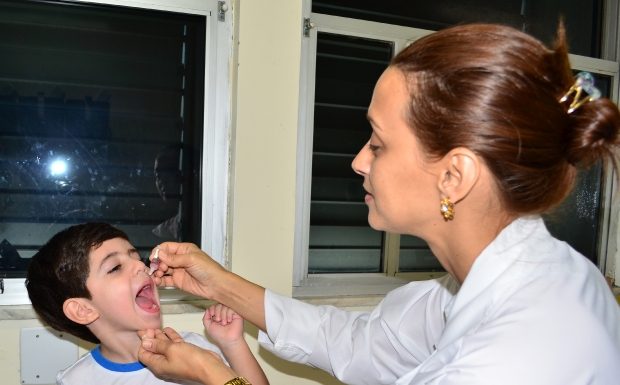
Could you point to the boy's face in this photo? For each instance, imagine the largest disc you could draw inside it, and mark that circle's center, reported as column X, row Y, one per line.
column 121, row 289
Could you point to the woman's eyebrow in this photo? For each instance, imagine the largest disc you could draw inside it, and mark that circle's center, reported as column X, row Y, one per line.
column 369, row 118
column 373, row 123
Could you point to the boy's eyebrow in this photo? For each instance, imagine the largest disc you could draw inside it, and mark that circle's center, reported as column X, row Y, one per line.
column 115, row 253
column 110, row 255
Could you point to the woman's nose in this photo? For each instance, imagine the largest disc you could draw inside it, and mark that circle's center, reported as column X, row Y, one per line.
column 361, row 161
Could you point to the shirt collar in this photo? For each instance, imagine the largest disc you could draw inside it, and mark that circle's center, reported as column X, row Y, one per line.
column 487, row 268
column 114, row 366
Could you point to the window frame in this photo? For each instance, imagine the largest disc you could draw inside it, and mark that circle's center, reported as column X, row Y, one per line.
column 608, row 258
column 216, row 141
column 335, row 284
column 324, row 285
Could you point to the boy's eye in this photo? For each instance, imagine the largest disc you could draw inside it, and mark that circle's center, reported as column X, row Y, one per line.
column 115, row 269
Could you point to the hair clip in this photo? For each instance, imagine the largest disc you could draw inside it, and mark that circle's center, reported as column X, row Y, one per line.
column 584, row 82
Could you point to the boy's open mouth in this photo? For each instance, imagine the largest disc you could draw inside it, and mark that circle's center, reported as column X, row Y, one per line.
column 147, row 300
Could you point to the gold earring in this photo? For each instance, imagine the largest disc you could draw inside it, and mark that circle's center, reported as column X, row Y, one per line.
column 447, row 209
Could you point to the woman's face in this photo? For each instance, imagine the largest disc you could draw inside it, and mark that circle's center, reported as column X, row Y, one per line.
column 402, row 193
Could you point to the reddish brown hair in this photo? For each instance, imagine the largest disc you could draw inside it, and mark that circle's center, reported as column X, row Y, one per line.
column 496, row 90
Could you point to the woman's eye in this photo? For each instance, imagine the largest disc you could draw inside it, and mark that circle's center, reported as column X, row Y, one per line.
column 372, row 147
column 115, row 269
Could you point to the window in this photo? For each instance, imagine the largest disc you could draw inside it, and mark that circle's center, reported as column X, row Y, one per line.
column 539, row 18
column 335, row 244
column 584, row 219
column 109, row 113
column 346, row 70
column 345, row 57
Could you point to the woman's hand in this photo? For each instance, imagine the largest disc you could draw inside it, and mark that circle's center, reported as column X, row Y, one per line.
column 185, row 266
column 169, row 357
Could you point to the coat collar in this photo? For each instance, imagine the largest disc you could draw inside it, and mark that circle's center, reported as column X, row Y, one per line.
column 471, row 303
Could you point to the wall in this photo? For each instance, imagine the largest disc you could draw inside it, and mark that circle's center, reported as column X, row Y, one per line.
column 261, row 217
column 263, row 202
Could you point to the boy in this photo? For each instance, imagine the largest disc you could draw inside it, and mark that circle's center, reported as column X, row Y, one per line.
column 88, row 280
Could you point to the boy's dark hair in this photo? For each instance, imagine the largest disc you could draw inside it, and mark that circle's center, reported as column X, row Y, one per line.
column 59, row 270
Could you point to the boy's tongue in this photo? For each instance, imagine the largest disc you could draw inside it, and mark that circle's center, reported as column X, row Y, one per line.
column 146, row 300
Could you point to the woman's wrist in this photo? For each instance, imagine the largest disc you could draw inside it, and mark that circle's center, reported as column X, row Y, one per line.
column 244, row 297
column 238, row 381
column 212, row 370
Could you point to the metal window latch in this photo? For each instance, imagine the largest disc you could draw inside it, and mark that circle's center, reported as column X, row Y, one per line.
column 222, row 7
column 308, row 25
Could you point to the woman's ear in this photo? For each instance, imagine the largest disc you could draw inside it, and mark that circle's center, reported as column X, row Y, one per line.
column 460, row 170
column 80, row 310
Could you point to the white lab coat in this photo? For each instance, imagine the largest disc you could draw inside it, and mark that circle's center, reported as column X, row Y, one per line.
column 531, row 311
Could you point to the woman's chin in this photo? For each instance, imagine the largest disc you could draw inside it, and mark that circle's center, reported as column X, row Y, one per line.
column 374, row 223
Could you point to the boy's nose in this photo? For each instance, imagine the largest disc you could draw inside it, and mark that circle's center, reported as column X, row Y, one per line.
column 140, row 267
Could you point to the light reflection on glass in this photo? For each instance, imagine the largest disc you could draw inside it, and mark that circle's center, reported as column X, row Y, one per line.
column 58, row 168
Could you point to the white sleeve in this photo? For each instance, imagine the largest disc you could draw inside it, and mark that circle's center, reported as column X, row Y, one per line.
column 374, row 347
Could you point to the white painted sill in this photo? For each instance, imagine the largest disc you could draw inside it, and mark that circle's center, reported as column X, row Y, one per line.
column 353, row 290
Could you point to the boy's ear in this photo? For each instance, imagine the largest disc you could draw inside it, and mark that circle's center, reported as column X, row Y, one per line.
column 80, row 310
column 459, row 173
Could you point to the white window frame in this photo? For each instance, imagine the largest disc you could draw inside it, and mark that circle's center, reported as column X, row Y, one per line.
column 611, row 51
column 609, row 237
column 216, row 136
column 328, row 285
column 337, row 284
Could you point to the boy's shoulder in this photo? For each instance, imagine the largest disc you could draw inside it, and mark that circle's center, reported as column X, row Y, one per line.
column 80, row 371
column 93, row 368
column 199, row 340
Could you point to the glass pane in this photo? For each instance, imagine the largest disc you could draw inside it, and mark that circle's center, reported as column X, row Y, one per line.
column 415, row 255
column 576, row 221
column 540, row 18
column 100, row 120
column 344, row 248
column 346, row 71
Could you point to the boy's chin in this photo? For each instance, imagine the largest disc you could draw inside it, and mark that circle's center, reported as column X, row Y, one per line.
column 152, row 319
column 152, row 324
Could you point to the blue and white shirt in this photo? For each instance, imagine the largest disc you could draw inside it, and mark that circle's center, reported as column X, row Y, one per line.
column 93, row 368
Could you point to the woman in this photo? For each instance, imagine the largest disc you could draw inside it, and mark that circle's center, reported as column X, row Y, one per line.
column 476, row 131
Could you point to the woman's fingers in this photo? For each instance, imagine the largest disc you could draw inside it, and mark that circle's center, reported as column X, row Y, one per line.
column 168, row 356
column 172, row 334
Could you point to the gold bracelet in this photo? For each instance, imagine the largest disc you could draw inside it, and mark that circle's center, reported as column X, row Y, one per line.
column 238, row 381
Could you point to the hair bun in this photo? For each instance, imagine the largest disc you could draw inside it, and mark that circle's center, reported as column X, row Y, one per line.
column 594, row 127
